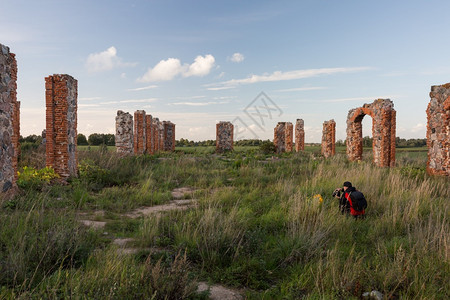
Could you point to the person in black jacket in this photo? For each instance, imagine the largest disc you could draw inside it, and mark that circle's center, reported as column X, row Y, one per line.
column 346, row 205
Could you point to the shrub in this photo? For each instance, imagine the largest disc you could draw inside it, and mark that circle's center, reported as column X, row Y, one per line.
column 35, row 178
column 267, row 148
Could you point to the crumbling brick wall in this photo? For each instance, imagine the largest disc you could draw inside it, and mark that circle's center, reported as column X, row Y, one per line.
column 9, row 121
column 282, row 137
column 61, row 124
column 329, row 138
column 383, row 132
column 169, row 136
column 139, row 132
column 224, row 136
column 288, row 136
column 438, row 130
column 124, row 132
column 161, row 136
column 299, row 135
column 155, row 145
column 149, row 134
column 279, row 137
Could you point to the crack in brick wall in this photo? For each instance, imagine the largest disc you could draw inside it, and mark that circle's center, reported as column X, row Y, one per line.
column 224, row 136
column 124, row 132
column 383, row 132
column 61, row 124
column 299, row 135
column 329, row 138
column 438, row 130
column 282, row 137
column 9, row 122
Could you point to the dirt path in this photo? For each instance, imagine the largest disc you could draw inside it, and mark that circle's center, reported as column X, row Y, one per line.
column 219, row 292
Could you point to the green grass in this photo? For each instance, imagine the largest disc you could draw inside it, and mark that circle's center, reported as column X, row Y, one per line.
column 257, row 227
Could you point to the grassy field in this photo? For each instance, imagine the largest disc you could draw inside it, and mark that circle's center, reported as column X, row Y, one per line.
column 258, row 226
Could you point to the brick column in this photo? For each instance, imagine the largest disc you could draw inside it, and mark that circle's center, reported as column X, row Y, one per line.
column 299, row 135
column 288, row 134
column 155, row 145
column 279, row 136
column 61, row 124
column 124, row 133
column 169, row 136
column 224, row 136
column 161, row 136
column 149, row 134
column 139, row 132
column 329, row 138
column 438, row 130
column 9, row 122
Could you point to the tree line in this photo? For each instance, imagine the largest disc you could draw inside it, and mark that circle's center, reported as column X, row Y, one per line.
column 96, row 139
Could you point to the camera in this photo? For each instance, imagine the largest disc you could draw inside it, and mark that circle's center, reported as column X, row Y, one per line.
column 337, row 192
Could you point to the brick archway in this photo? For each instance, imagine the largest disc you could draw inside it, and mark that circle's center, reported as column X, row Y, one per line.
column 383, row 132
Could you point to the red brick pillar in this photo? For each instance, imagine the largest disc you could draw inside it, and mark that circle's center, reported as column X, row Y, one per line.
column 279, row 137
column 224, row 136
column 155, row 134
column 329, row 138
column 149, row 134
column 139, row 132
column 61, row 124
column 438, row 130
column 299, row 135
column 288, row 135
column 161, row 136
column 169, row 136
column 9, row 122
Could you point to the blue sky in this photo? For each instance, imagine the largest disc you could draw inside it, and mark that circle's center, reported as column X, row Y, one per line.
column 196, row 63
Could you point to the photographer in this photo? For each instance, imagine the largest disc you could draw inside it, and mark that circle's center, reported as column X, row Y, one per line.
column 351, row 201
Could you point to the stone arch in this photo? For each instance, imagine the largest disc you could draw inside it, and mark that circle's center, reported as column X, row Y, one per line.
column 438, row 130
column 383, row 132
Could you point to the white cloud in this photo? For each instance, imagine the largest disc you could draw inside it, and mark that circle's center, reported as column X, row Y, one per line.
column 220, row 88
column 144, row 88
column 164, row 70
column 199, row 103
column 237, row 57
column 89, row 98
column 418, row 128
column 291, row 75
column 201, row 66
column 172, row 67
column 313, row 88
column 105, row 61
column 139, row 100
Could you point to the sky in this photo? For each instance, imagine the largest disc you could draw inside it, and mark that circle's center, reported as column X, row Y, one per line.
column 254, row 63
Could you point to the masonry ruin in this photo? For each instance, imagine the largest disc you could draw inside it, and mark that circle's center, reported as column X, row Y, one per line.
column 224, row 136
column 124, row 132
column 146, row 135
column 438, row 130
column 329, row 138
column 139, row 132
column 282, row 137
column 149, row 134
column 61, row 124
column 169, row 136
column 9, row 121
column 299, row 135
column 383, row 132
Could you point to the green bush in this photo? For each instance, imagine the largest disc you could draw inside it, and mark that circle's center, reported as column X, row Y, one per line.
column 35, row 178
column 267, row 148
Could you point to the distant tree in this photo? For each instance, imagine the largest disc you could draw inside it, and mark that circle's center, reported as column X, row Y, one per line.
column 81, row 139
